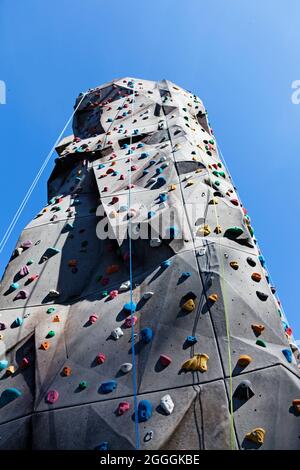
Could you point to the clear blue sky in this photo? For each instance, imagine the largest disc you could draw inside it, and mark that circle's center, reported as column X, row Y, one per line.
column 239, row 56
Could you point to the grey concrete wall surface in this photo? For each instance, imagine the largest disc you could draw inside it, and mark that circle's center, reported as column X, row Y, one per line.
column 143, row 157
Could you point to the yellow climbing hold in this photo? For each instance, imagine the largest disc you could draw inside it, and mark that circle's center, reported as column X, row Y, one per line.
column 172, row 187
column 205, row 230
column 234, row 265
column 213, row 298
column 10, row 370
column 190, row 183
column 197, row 363
column 257, row 435
column 213, row 201
column 189, row 305
column 218, row 229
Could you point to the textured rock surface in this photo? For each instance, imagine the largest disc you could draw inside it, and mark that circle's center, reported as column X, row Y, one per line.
column 161, row 132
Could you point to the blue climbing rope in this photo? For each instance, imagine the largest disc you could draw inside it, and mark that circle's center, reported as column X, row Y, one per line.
column 134, row 375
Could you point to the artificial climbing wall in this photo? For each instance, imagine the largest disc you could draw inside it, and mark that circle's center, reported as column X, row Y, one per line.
column 176, row 340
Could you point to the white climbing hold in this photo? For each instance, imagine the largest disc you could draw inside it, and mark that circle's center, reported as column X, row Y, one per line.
column 124, row 286
column 117, row 333
column 126, row 367
column 147, row 295
column 167, row 404
column 155, row 242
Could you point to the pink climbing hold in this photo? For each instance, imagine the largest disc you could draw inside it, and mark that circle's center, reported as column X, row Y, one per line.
column 165, row 360
column 24, row 363
column 113, row 294
column 123, row 407
column 130, row 321
column 23, row 294
column 26, row 244
column 52, row 396
column 93, row 318
column 33, row 278
column 105, row 281
column 24, row 270
column 114, row 200
column 100, row 358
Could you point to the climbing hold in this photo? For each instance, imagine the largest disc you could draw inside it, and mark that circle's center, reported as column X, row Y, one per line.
column 117, row 333
column 129, row 307
column 261, row 342
column 45, row 345
column 233, row 232
column 18, row 322
column 2, row 326
column 50, row 334
column 148, row 436
column 243, row 391
column 185, row 275
column 165, row 360
column 189, row 305
column 56, row 318
column 204, row 230
column 244, row 360
column 163, row 197
column 83, row 385
column 146, row 335
column 197, row 363
column 124, row 286
column 256, row 277
column 3, row 364
column 213, row 201
column 123, row 406
column 144, row 410
column 257, row 435
column 52, row 396
column 167, row 404
column 126, row 367
column 218, row 229
column 14, row 286
column 251, row 261
column 257, row 328
column 109, row 386
column 24, row 363
column 100, row 358
column 261, row 296
column 10, row 370
column 172, row 187
column 147, row 295
column 66, row 371
column 234, row 265
column 23, row 294
column 190, row 340
column 212, row 298
column 8, row 395
column 113, row 294
column 93, row 318
column 51, row 310
column 53, row 293
column 287, row 354
column 26, row 244
column 155, row 242
column 296, row 405
column 24, row 271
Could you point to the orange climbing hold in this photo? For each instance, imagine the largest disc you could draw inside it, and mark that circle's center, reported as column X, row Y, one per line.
column 45, row 345
column 66, row 371
column 257, row 328
column 189, row 305
column 256, row 277
column 72, row 263
column 56, row 318
column 244, row 360
column 257, row 435
column 296, row 405
column 213, row 298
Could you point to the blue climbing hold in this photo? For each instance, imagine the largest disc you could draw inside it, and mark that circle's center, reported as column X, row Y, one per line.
column 3, row 364
column 287, row 354
column 262, row 260
column 140, row 145
column 14, row 286
column 144, row 155
column 18, row 322
column 102, row 446
column 162, row 197
column 129, row 307
column 158, row 171
column 144, row 410
column 152, row 162
column 145, row 172
column 9, row 395
column 190, row 340
column 100, row 166
column 166, row 264
column 69, row 226
column 146, row 335
column 151, row 214
column 161, row 180
column 109, row 386
column 185, row 274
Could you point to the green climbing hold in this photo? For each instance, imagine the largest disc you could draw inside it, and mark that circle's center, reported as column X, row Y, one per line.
column 50, row 334
column 261, row 342
column 233, row 232
column 29, row 262
column 83, row 384
column 51, row 310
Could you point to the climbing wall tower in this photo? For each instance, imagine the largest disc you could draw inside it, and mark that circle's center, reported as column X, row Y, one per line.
column 173, row 340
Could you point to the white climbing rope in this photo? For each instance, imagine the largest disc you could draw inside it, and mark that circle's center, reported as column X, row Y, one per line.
column 16, row 217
